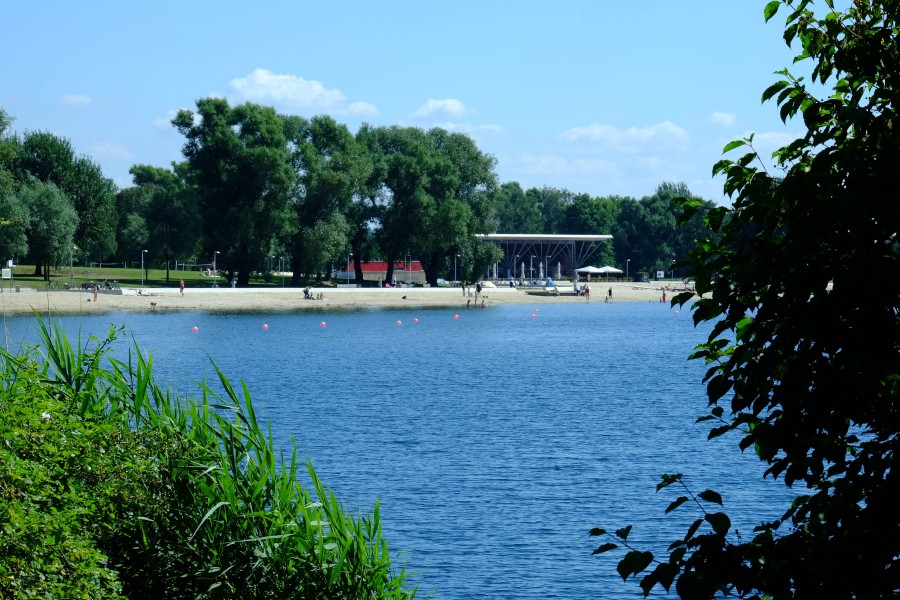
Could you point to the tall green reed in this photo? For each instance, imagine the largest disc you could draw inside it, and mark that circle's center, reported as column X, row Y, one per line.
column 230, row 517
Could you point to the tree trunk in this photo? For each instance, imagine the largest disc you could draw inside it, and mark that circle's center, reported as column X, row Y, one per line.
column 389, row 273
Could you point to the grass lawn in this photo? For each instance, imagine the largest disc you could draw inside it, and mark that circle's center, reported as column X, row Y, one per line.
column 24, row 276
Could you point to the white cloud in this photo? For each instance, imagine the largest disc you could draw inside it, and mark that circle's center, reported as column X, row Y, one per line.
column 110, row 150
column 294, row 93
column 665, row 133
column 449, row 107
column 74, row 100
column 722, row 118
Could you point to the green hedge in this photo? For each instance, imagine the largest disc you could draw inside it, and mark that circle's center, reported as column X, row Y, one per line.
column 111, row 487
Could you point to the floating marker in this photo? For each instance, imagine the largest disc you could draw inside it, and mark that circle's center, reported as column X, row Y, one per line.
column 322, row 324
column 195, row 329
column 399, row 322
column 535, row 310
column 676, row 312
column 533, row 315
column 415, row 320
column 456, row 316
column 265, row 326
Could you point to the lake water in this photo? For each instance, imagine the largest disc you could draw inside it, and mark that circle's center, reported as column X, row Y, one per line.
column 494, row 441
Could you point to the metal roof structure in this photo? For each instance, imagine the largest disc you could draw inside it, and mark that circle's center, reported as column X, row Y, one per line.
column 574, row 250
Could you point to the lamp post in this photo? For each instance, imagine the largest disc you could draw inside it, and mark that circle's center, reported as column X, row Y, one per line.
column 515, row 266
column 281, row 268
column 349, row 256
column 215, row 269
column 530, row 270
column 672, row 270
column 628, row 260
column 455, row 256
column 143, row 252
column 71, row 264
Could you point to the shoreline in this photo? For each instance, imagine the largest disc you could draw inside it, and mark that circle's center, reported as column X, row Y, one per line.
column 79, row 302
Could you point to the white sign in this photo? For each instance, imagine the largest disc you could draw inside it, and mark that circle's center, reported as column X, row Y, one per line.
column 7, row 273
column 660, row 274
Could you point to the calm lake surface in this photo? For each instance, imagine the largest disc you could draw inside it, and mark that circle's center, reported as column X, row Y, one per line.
column 494, row 442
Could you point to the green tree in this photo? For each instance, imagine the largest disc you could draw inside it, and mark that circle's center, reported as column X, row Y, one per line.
column 52, row 226
column 238, row 164
column 169, row 213
column 51, row 159
column 330, row 168
column 433, row 191
column 14, row 220
column 517, row 212
column 551, row 203
column 593, row 216
column 799, row 279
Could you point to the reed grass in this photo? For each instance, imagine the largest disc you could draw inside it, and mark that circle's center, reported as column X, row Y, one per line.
column 169, row 497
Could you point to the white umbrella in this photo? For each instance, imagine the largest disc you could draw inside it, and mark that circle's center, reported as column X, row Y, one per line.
column 589, row 270
column 608, row 269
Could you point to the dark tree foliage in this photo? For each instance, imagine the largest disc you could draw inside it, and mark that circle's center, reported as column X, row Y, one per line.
column 802, row 287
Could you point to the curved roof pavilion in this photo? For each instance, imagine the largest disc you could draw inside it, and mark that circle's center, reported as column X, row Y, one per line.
column 527, row 255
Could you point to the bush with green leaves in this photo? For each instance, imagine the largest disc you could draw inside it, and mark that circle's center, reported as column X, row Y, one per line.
column 799, row 277
column 111, row 487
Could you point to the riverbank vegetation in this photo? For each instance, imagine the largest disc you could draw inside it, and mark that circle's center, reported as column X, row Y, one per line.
column 111, row 487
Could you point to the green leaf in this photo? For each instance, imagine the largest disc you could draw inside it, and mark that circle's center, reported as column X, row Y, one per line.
column 719, row 521
column 732, row 145
column 773, row 89
column 770, row 9
column 633, row 563
column 693, row 529
column 668, row 480
column 710, row 496
column 676, row 503
column 623, row 533
column 604, row 548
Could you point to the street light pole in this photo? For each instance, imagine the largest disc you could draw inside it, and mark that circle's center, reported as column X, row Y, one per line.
column 281, row 268
column 215, row 269
column 672, row 270
column 455, row 256
column 71, row 265
column 142, row 267
column 349, row 256
column 530, row 269
column 627, row 261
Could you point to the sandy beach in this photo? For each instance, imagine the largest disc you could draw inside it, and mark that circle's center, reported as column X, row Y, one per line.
column 75, row 302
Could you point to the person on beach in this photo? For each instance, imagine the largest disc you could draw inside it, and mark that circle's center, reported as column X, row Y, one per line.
column 96, row 291
column 181, row 286
column 609, row 295
column 587, row 292
column 468, row 304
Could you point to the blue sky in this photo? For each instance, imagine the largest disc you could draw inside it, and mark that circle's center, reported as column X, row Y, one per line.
column 594, row 96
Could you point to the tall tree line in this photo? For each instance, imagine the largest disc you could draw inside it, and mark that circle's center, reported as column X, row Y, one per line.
column 257, row 188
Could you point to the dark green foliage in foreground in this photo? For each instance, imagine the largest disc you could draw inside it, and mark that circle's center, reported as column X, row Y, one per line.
column 112, row 488
column 803, row 289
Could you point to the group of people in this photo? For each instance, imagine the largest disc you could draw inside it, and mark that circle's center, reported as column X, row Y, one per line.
column 308, row 295
column 396, row 283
